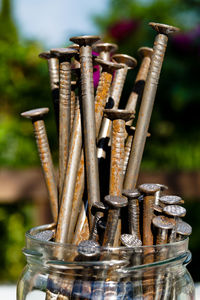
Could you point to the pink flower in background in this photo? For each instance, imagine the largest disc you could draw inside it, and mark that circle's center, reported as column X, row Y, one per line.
column 188, row 42
column 123, row 29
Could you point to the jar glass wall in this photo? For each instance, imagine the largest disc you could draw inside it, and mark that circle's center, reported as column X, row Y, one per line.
column 59, row 271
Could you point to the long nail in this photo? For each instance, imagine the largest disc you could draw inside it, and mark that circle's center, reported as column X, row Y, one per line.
column 64, row 55
column 98, row 210
column 53, row 66
column 73, row 102
column 159, row 192
column 133, row 211
column 146, row 107
column 100, row 100
column 87, row 87
column 140, row 80
column 128, row 62
column 70, row 179
column 105, row 50
column 36, row 115
column 114, row 203
column 148, row 190
column 175, row 211
column 163, row 225
column 118, row 118
column 130, row 131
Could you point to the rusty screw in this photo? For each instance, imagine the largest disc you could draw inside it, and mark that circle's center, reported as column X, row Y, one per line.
column 114, row 203
column 64, row 55
column 53, row 66
column 36, row 115
column 105, row 50
column 147, row 103
column 87, row 87
column 133, row 211
column 126, row 62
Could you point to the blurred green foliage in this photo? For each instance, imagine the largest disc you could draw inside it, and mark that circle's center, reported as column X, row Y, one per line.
column 24, row 86
column 15, row 220
column 174, row 128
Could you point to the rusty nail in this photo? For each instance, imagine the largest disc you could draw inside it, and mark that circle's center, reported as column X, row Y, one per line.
column 118, row 118
column 133, row 211
column 100, row 99
column 53, row 67
column 140, row 80
column 126, row 62
column 64, row 55
column 98, row 210
column 129, row 140
column 163, row 224
column 87, row 87
column 159, row 192
column 36, row 115
column 149, row 191
column 105, row 50
column 114, row 203
column 70, row 179
column 171, row 199
column 183, row 230
column 175, row 211
column 146, row 106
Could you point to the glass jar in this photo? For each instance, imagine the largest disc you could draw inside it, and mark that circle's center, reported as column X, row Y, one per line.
column 59, row 271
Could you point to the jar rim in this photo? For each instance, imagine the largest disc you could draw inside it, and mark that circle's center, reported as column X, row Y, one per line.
column 31, row 235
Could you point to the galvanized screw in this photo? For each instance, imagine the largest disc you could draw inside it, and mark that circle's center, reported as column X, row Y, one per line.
column 133, row 211
column 36, row 115
column 53, row 66
column 87, row 87
column 147, row 103
column 105, row 50
column 114, row 203
column 126, row 62
column 64, row 55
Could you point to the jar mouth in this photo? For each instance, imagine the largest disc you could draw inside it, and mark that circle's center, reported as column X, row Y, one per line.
column 32, row 235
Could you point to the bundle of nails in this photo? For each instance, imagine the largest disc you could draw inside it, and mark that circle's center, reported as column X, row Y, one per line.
column 100, row 151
